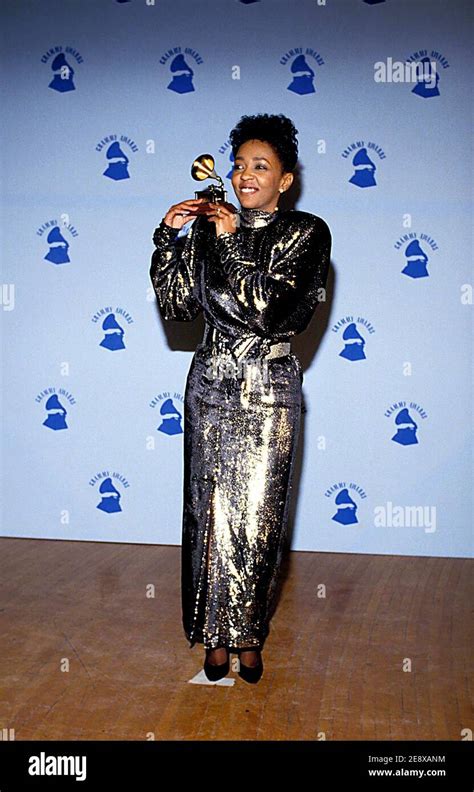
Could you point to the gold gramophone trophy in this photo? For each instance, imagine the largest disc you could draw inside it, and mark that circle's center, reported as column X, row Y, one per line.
column 202, row 168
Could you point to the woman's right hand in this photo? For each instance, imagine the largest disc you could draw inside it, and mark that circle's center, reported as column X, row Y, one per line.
column 181, row 213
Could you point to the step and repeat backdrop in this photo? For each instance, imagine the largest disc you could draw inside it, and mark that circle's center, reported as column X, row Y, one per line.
column 105, row 106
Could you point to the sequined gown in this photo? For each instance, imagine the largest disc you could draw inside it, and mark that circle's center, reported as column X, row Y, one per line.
column 257, row 286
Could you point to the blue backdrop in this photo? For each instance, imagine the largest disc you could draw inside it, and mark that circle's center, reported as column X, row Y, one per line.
column 106, row 104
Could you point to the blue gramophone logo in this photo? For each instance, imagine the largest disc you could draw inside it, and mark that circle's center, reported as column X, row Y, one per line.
column 58, row 247
column 303, row 74
column 303, row 79
column 354, row 332
column 427, row 68
column 406, row 429
column 113, row 334
column 427, row 79
column 401, row 414
column 342, row 494
column 109, row 494
column 364, row 170
column 416, row 249
column 182, row 80
column 117, row 160
column 56, row 418
column 53, row 235
column 362, row 156
column 346, row 508
column 180, row 68
column 354, row 343
column 54, row 403
column 60, row 60
column 64, row 74
column 170, row 419
column 417, row 260
column 117, row 168
column 110, row 501
column 112, row 321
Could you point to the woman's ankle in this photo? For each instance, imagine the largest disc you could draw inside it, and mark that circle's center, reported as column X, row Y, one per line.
column 250, row 657
column 218, row 655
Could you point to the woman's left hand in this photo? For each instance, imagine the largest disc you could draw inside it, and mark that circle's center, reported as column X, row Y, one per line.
column 225, row 217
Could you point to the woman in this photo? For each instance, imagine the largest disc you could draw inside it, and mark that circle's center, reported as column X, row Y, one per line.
column 257, row 274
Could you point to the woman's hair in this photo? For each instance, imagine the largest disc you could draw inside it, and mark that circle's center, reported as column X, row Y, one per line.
column 276, row 130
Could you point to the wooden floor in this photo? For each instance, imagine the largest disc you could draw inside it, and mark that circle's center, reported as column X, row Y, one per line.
column 385, row 655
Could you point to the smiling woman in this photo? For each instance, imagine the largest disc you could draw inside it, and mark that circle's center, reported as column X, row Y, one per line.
column 258, row 282
column 263, row 167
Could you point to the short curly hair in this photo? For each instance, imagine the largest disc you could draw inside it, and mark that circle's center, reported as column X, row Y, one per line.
column 276, row 130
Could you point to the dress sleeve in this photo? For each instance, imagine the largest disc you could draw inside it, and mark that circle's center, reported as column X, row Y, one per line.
column 280, row 296
column 172, row 275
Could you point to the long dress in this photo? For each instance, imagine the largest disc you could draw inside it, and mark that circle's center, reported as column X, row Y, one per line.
column 257, row 286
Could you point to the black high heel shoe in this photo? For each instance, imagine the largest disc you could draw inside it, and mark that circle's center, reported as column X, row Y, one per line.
column 213, row 671
column 251, row 673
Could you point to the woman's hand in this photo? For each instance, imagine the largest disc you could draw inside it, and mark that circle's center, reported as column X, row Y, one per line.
column 224, row 215
column 179, row 214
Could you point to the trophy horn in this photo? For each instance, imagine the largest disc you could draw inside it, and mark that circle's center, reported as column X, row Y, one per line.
column 202, row 168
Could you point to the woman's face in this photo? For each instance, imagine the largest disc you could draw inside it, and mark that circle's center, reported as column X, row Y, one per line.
column 258, row 177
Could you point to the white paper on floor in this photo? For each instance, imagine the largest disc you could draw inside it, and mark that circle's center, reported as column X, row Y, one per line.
column 201, row 679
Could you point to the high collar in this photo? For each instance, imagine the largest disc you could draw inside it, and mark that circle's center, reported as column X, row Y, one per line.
column 257, row 218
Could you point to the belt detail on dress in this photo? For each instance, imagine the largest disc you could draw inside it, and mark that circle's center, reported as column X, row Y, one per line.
column 277, row 349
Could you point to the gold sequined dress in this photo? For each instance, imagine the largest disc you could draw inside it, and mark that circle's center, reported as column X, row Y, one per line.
column 257, row 287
